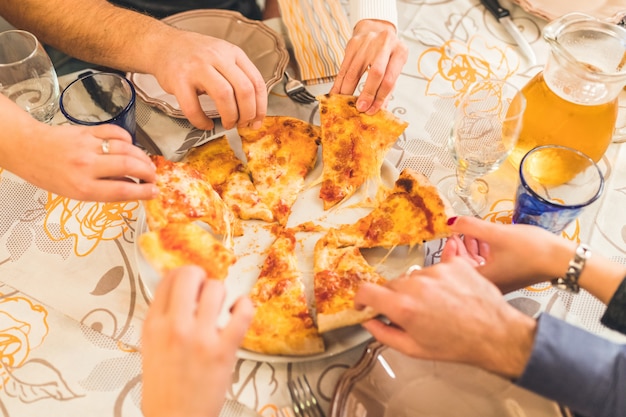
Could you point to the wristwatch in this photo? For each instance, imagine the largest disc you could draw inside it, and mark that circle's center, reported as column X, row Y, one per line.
column 569, row 282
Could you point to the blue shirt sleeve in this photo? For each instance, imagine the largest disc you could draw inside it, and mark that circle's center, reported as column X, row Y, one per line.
column 577, row 369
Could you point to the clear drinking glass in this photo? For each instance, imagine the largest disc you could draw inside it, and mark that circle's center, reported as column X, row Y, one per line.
column 27, row 75
column 486, row 127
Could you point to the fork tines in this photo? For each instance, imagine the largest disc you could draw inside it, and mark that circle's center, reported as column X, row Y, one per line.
column 305, row 404
column 296, row 90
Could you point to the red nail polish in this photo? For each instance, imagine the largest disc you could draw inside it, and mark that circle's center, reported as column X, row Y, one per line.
column 451, row 220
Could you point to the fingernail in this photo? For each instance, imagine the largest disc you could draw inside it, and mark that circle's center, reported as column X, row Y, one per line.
column 257, row 125
column 451, row 220
column 361, row 106
column 155, row 191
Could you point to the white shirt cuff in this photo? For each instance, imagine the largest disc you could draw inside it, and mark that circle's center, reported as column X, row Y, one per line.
column 373, row 9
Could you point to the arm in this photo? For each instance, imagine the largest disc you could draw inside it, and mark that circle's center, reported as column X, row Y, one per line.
column 374, row 48
column 185, row 63
column 578, row 369
column 516, row 256
column 187, row 360
column 68, row 160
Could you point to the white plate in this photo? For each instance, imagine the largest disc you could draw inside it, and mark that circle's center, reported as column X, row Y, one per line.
column 609, row 10
column 386, row 383
column 250, row 250
column 265, row 48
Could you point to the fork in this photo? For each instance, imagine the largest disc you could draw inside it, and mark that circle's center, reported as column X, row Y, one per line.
column 296, row 90
column 305, row 403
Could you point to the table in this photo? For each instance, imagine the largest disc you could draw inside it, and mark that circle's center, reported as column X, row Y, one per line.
column 72, row 303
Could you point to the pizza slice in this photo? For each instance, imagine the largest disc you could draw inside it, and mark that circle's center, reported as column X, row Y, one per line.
column 282, row 324
column 354, row 145
column 227, row 174
column 280, row 155
column 412, row 213
column 178, row 244
column 184, row 196
column 338, row 273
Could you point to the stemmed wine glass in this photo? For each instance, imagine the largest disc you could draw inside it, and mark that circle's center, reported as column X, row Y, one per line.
column 27, row 75
column 486, row 127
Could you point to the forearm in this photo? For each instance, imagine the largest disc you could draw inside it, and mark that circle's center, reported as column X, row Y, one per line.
column 600, row 276
column 578, row 369
column 18, row 137
column 94, row 31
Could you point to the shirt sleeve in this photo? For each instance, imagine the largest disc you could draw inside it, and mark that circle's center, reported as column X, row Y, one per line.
column 615, row 315
column 373, row 9
column 577, row 369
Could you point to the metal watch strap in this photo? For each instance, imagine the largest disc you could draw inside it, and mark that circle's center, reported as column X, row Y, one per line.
column 569, row 282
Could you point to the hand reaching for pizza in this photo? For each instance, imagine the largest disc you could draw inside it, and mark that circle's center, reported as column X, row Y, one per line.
column 70, row 160
column 450, row 312
column 376, row 48
column 187, row 359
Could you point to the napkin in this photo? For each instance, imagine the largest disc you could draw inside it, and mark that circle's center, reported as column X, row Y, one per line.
column 319, row 31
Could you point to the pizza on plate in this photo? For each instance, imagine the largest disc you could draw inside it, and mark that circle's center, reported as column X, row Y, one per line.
column 411, row 213
column 184, row 196
column 338, row 273
column 178, row 244
column 282, row 323
column 354, row 145
column 228, row 175
column 280, row 154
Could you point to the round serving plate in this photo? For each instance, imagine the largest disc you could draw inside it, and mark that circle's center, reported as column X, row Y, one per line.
column 251, row 250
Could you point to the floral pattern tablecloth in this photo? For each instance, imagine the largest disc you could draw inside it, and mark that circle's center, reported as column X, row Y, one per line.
column 71, row 298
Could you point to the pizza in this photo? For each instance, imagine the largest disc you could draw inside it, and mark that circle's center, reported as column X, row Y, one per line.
column 338, row 273
column 282, row 323
column 178, row 244
column 354, row 145
column 228, row 175
column 184, row 196
column 280, row 154
column 411, row 213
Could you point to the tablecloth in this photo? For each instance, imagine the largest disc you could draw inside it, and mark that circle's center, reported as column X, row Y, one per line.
column 72, row 302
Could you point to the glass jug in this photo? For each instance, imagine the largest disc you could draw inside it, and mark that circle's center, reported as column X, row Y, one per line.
column 573, row 101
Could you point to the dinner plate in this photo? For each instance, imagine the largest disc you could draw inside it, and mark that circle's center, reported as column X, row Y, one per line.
column 386, row 383
column 609, row 10
column 251, row 249
column 265, row 48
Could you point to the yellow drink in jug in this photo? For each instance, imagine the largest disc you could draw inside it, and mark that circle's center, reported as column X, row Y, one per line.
column 552, row 120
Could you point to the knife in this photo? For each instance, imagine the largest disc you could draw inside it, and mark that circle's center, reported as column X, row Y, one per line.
column 504, row 17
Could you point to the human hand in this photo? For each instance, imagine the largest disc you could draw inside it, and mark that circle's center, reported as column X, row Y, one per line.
column 511, row 256
column 376, row 48
column 68, row 160
column 449, row 312
column 187, row 360
column 192, row 64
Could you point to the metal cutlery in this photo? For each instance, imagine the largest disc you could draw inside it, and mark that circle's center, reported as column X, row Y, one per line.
column 305, row 404
column 504, row 17
column 296, row 90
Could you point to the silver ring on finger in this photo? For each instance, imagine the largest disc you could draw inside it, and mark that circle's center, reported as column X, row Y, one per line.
column 412, row 269
column 105, row 146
